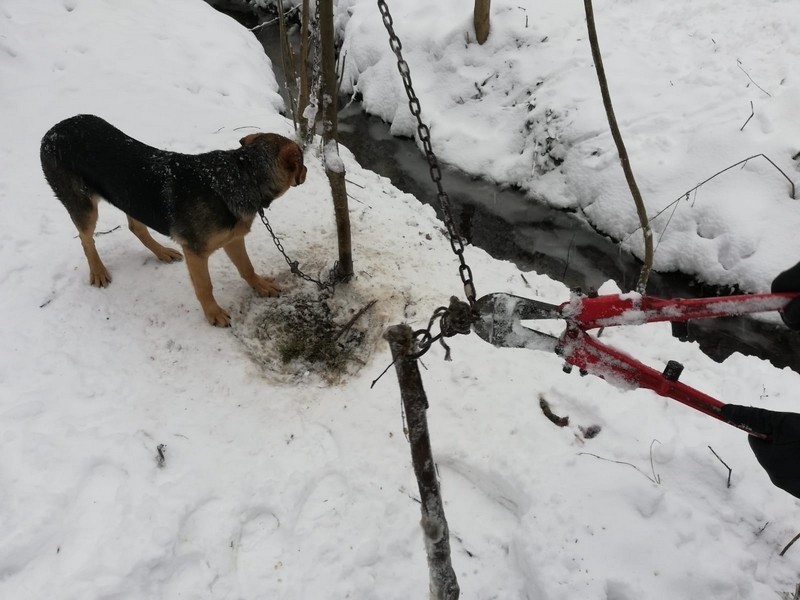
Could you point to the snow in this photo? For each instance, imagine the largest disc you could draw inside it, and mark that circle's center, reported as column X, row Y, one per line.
column 278, row 483
column 681, row 78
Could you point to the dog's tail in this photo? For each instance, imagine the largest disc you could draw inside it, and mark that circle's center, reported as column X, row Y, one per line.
column 71, row 189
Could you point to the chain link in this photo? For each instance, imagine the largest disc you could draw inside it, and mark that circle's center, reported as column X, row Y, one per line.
column 334, row 276
column 424, row 133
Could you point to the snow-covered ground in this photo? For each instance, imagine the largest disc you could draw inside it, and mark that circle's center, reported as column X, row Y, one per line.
column 278, row 484
column 525, row 109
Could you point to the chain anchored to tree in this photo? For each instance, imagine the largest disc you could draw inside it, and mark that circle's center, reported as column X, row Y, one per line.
column 333, row 278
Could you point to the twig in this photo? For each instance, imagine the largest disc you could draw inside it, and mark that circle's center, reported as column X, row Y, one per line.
column 730, row 471
column 351, row 182
column 275, row 20
column 620, row 462
column 739, row 64
column 685, row 195
column 569, row 252
column 355, row 318
column 656, row 478
column 108, row 231
column 663, row 231
column 386, row 370
column 349, row 195
column 789, row 545
column 752, row 112
column 161, row 459
column 554, row 418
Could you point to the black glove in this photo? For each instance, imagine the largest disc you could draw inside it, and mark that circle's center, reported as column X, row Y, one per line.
column 789, row 281
column 780, row 455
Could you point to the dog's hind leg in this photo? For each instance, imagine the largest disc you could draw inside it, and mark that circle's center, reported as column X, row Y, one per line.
column 162, row 253
column 86, row 221
column 80, row 200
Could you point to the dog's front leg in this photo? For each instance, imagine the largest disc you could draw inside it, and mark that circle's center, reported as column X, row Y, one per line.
column 237, row 252
column 201, row 280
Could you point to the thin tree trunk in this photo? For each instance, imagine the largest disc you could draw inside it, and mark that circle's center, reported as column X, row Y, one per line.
column 644, row 275
column 334, row 167
column 288, row 63
column 481, row 19
column 303, row 99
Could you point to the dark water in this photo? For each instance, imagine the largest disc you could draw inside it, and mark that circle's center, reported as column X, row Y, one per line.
column 511, row 226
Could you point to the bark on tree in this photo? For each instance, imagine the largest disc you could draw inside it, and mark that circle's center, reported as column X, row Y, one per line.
column 333, row 164
column 303, row 96
column 288, row 63
column 481, row 19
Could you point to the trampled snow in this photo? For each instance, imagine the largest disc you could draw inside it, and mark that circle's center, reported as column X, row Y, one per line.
column 279, row 484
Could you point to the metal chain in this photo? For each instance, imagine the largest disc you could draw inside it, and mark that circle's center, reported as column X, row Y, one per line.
column 454, row 319
column 334, row 276
column 424, row 133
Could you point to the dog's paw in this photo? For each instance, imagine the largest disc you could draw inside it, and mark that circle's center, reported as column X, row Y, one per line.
column 99, row 277
column 265, row 286
column 218, row 317
column 168, row 255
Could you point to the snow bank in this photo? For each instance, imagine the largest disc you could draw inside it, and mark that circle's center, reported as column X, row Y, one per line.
column 525, row 109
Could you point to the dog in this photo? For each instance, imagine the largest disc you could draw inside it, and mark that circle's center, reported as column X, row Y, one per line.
column 202, row 201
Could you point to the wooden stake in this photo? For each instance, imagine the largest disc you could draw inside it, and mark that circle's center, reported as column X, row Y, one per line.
column 443, row 582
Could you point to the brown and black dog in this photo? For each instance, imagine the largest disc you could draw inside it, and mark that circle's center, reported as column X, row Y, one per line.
column 202, row 201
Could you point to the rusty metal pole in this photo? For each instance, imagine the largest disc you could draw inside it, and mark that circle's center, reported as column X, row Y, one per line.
column 443, row 582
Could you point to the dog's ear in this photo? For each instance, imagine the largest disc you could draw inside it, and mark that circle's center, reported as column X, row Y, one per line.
column 249, row 139
column 291, row 158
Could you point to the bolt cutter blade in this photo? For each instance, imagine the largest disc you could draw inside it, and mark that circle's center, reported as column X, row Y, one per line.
column 499, row 322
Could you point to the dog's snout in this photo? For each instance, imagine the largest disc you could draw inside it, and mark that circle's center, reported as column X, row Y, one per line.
column 301, row 176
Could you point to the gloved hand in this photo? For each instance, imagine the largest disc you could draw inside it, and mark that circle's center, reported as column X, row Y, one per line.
column 789, row 281
column 780, row 455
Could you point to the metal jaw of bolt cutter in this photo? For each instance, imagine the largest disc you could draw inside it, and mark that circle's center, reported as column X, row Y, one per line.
column 499, row 322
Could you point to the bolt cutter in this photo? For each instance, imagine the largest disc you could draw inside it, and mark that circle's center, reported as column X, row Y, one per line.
column 499, row 322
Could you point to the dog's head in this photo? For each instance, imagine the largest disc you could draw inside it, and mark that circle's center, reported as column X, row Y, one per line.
column 290, row 167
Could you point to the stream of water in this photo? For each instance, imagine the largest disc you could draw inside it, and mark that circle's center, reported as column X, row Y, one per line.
column 511, row 226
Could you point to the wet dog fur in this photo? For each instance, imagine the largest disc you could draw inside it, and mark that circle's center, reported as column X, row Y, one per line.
column 202, row 201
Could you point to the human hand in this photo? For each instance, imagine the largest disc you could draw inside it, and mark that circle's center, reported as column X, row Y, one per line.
column 780, row 454
column 789, row 281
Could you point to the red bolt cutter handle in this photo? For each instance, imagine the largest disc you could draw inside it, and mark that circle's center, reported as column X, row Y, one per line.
column 632, row 309
column 585, row 352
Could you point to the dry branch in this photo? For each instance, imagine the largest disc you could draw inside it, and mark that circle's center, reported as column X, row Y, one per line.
column 730, row 471
column 644, row 274
column 554, row 418
column 789, row 545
